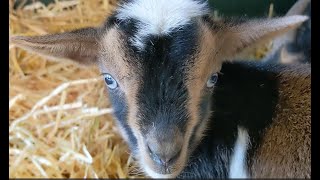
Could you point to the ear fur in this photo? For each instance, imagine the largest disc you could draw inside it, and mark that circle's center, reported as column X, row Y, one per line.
column 80, row 46
column 299, row 8
column 233, row 36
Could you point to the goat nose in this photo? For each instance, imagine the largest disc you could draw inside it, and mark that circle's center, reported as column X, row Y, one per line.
column 163, row 156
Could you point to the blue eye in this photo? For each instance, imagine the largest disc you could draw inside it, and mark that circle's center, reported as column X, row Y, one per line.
column 110, row 81
column 212, row 80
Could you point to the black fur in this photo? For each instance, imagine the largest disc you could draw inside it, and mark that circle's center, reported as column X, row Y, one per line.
column 163, row 94
column 246, row 95
column 119, row 105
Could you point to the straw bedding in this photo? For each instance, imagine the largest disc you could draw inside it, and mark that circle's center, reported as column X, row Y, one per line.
column 60, row 122
column 59, row 115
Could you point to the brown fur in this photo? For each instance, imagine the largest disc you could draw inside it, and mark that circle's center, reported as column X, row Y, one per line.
column 114, row 60
column 206, row 65
column 286, row 148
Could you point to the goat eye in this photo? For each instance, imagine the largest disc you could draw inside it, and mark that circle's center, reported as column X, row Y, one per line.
column 212, row 80
column 110, row 81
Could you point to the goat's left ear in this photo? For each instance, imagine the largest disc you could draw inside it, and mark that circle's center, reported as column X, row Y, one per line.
column 80, row 46
column 232, row 37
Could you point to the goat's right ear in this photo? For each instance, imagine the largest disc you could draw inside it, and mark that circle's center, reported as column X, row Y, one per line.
column 233, row 36
column 80, row 46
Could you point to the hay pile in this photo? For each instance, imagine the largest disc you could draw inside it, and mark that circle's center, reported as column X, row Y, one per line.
column 59, row 115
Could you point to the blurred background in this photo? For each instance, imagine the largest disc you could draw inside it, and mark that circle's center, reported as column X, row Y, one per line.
column 250, row 8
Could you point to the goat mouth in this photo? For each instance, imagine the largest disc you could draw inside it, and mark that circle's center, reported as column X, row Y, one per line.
column 161, row 173
column 156, row 170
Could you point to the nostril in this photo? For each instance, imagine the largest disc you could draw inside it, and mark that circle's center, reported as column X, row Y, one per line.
column 165, row 159
column 174, row 157
column 154, row 156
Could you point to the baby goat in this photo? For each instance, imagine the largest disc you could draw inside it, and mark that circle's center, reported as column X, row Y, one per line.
column 161, row 59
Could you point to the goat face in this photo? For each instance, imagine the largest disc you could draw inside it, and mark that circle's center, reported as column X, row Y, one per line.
column 161, row 96
column 160, row 72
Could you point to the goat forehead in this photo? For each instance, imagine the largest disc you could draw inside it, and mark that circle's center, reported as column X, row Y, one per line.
column 163, row 96
column 169, row 56
column 175, row 47
column 159, row 17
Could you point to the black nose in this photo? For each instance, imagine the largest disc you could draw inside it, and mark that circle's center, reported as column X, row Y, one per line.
column 164, row 156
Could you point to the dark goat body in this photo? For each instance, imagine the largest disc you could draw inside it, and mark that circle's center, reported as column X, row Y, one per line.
column 249, row 94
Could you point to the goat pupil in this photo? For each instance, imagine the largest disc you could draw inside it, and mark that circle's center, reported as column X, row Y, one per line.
column 212, row 81
column 111, row 83
column 109, row 80
column 214, row 78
